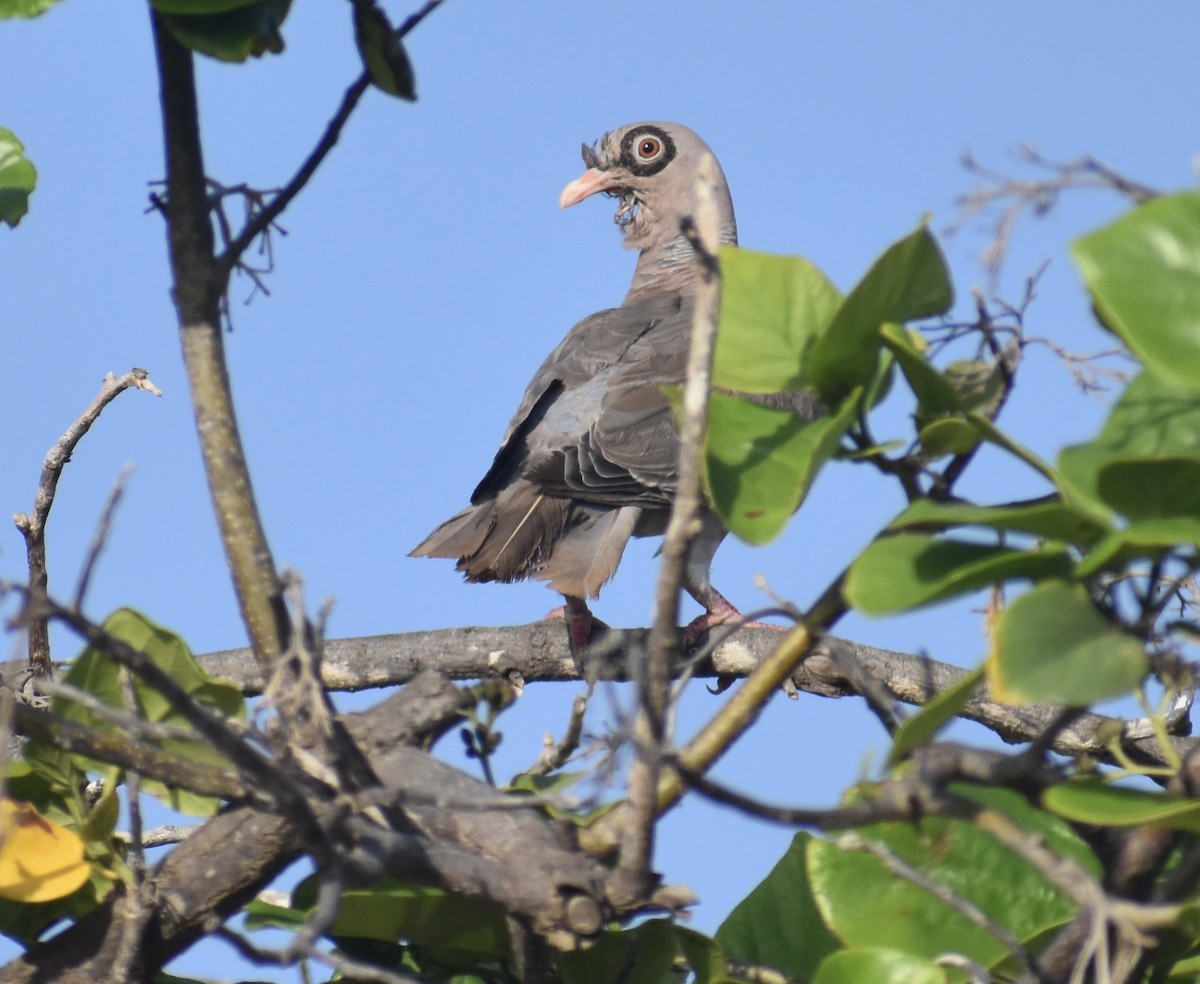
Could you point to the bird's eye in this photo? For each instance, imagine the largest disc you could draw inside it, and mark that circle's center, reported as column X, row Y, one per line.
column 649, row 148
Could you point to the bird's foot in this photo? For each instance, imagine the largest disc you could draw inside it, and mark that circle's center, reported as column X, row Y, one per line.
column 720, row 611
column 582, row 626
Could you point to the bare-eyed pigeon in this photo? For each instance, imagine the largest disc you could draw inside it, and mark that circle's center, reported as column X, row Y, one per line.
column 590, row 458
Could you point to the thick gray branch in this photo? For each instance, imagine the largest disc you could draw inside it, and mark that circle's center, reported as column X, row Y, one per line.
column 538, row 652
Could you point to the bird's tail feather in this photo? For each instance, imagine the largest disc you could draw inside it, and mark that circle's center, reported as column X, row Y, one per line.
column 501, row 539
column 583, row 562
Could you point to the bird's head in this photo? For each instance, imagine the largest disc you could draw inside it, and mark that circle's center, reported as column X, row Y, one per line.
column 650, row 168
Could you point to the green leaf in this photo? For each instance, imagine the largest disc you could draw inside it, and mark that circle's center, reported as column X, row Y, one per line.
column 543, row 785
column 1153, row 419
column 702, row 955
column 382, row 52
column 760, row 462
column 235, row 34
column 949, row 435
column 778, row 924
column 907, row 570
column 1143, row 272
column 266, row 915
column 1149, row 488
column 935, row 393
column 391, row 911
column 879, row 966
column 24, row 8
column 97, row 674
column 1096, row 802
column 638, row 956
column 1147, row 538
column 908, row 281
column 1053, row 645
column 867, row 906
column 773, row 309
column 17, row 179
column 932, row 717
column 1049, row 517
column 1055, row 833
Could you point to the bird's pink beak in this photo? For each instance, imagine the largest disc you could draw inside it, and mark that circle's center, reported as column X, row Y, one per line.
column 591, row 181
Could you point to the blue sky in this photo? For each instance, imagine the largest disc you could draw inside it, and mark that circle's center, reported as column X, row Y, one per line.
column 427, row 270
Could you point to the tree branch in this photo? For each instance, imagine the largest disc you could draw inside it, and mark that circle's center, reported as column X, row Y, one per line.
column 262, row 219
column 199, row 283
column 33, row 525
column 633, row 873
column 515, row 857
column 540, row 652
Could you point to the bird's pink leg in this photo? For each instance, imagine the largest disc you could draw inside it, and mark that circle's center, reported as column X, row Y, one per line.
column 579, row 622
column 719, row 610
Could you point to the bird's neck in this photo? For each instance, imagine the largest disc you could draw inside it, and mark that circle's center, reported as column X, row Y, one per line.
column 668, row 267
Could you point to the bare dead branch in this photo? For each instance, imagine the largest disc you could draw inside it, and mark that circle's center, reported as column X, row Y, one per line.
column 1012, row 196
column 33, row 525
column 555, row 755
column 100, row 537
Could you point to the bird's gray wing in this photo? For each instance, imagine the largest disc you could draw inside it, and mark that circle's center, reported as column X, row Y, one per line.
column 593, row 424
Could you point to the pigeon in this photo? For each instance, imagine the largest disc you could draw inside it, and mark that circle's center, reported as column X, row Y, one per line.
column 590, row 458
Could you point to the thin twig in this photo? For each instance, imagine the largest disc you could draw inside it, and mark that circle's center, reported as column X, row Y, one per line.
column 633, row 874
column 33, row 525
column 257, row 767
column 100, row 537
column 124, row 722
column 163, row 836
column 555, row 755
column 333, row 130
column 347, row 967
column 1039, row 196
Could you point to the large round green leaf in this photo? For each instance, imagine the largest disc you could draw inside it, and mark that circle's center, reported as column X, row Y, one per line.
column 760, row 462
column 1149, row 488
column 1143, row 272
column 868, row 906
column 778, row 924
column 773, row 309
column 1052, row 644
column 1154, row 428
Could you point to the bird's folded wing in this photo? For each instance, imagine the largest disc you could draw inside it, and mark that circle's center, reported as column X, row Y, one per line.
column 594, row 424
